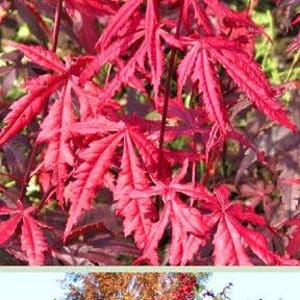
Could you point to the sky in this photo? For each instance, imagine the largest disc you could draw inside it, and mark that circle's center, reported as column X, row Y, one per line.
column 34, row 285
column 30, row 285
column 258, row 285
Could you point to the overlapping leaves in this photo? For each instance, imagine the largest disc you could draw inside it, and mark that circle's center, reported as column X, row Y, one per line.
column 91, row 140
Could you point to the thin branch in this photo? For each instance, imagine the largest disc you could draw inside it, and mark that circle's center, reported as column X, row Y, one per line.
column 167, row 94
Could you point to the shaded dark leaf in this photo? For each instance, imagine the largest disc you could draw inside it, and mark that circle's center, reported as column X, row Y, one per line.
column 32, row 17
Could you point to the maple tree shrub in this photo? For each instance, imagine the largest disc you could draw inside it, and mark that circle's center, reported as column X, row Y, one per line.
column 147, row 132
column 138, row 286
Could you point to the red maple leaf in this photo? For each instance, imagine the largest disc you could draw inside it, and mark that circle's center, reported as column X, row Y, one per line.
column 96, row 162
column 232, row 237
column 55, row 128
column 199, row 65
column 186, row 221
column 33, row 242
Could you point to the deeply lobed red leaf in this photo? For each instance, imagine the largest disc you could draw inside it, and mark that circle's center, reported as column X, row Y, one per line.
column 93, row 138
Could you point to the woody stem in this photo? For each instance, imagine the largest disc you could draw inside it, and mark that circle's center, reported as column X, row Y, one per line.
column 167, row 94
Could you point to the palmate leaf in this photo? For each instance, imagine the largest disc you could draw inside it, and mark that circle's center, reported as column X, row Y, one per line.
column 198, row 65
column 40, row 88
column 93, row 141
column 96, row 160
column 249, row 77
column 148, row 49
column 186, row 221
column 55, row 128
column 26, row 108
column 33, row 241
column 232, row 238
column 145, row 33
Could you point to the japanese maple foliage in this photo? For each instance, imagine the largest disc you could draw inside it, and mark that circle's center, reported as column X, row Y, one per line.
column 142, row 112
